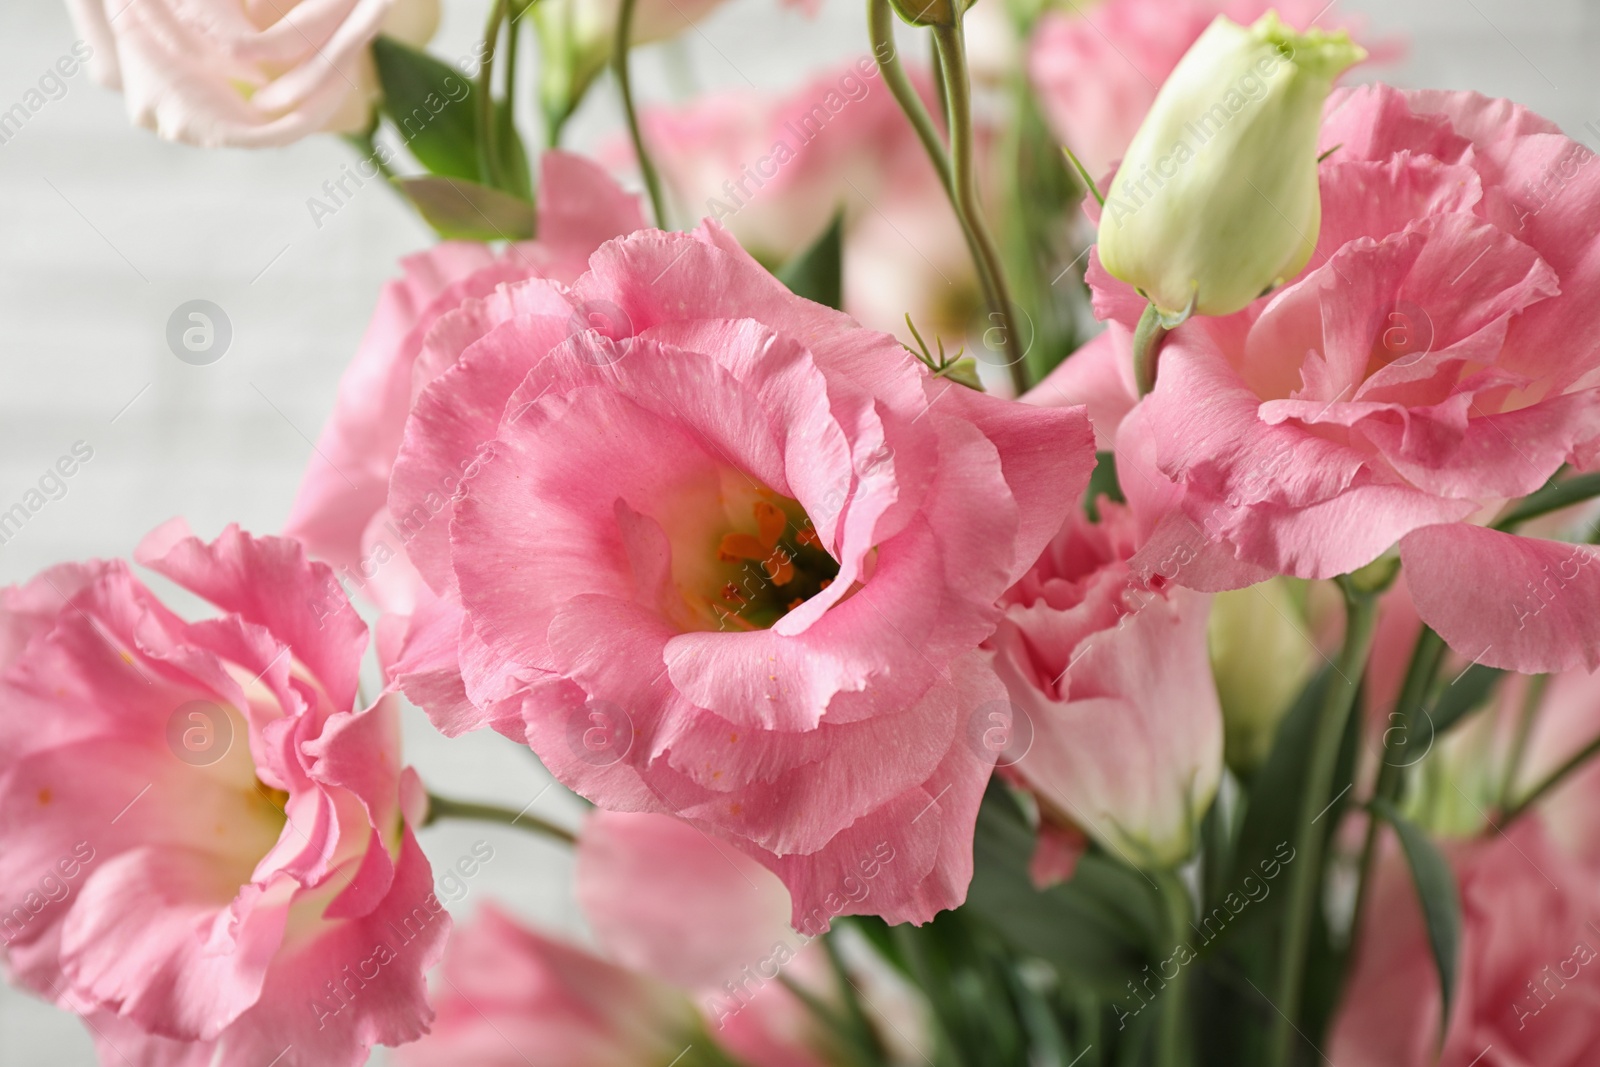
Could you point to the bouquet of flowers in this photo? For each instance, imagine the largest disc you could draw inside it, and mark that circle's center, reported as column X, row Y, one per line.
column 1068, row 550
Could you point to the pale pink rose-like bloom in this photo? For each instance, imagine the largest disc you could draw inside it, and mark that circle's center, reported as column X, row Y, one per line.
column 242, row 73
column 513, row 996
column 679, row 921
column 206, row 844
column 340, row 513
column 1109, row 675
column 1526, row 990
column 775, row 169
column 721, row 552
column 1096, row 68
column 714, row 923
column 1435, row 359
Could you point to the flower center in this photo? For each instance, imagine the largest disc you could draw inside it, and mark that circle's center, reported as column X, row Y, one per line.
column 766, row 566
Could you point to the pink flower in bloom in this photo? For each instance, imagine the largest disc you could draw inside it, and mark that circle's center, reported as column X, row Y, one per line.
column 715, row 924
column 1096, row 69
column 1435, row 359
column 1527, row 989
column 721, row 552
column 1118, row 730
column 712, row 927
column 340, row 512
column 222, row 837
column 513, row 996
column 236, row 73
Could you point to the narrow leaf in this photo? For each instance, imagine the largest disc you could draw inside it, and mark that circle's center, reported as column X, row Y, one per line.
column 818, row 272
column 430, row 105
column 514, row 154
column 1093, row 929
column 1469, row 691
column 1441, row 903
column 1085, row 177
column 469, row 211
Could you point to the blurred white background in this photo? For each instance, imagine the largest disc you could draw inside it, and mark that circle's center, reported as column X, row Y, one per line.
column 104, row 231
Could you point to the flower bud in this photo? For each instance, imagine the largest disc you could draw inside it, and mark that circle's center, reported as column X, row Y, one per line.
column 1217, row 199
column 1261, row 658
column 930, row 12
column 577, row 38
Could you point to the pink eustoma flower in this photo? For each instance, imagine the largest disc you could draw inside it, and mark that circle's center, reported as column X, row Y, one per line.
column 715, row 925
column 513, row 996
column 1530, row 944
column 720, row 552
column 339, row 513
column 712, row 928
column 1433, row 361
column 1115, row 725
column 206, row 844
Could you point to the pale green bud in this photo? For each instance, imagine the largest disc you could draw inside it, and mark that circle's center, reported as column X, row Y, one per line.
column 1216, row 200
column 930, row 12
column 1261, row 657
column 577, row 39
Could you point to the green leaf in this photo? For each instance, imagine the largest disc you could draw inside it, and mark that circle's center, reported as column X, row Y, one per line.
column 1094, row 929
column 431, row 106
column 1469, row 691
column 1441, row 902
column 1275, row 790
column 818, row 272
column 518, row 176
column 1085, row 177
column 469, row 211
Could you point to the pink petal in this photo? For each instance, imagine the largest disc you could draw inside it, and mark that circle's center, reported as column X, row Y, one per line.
column 1518, row 603
column 711, row 911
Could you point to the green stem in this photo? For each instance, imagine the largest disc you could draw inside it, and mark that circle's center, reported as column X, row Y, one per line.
column 1426, row 655
column 1552, row 497
column 1531, row 702
column 866, row 1036
column 1306, row 876
column 880, row 27
column 1147, row 338
column 911, row 950
column 964, row 182
column 1553, row 779
column 505, row 131
column 936, row 65
column 445, row 808
column 619, row 64
column 488, row 129
column 1172, row 1050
